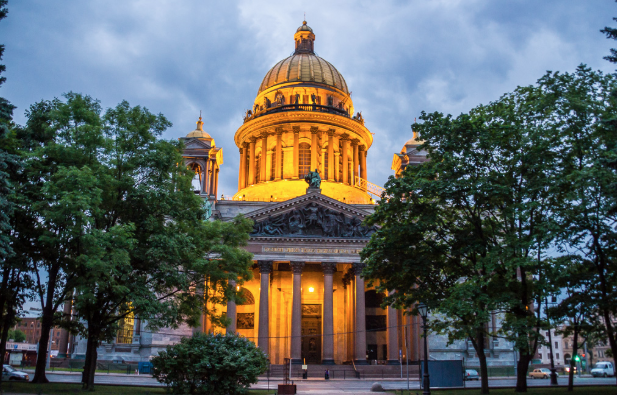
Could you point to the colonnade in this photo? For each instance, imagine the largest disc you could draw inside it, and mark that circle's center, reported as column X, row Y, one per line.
column 342, row 166
column 329, row 268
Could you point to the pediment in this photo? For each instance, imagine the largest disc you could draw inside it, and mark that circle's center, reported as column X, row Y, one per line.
column 310, row 215
column 196, row 144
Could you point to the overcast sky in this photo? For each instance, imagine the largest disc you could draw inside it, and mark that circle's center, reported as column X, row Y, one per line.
column 398, row 57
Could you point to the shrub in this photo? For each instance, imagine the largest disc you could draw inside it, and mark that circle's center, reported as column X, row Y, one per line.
column 212, row 364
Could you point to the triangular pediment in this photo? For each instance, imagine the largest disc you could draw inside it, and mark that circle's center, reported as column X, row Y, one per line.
column 196, row 144
column 310, row 215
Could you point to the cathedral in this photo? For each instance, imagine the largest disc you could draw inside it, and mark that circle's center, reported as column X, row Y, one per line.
column 307, row 301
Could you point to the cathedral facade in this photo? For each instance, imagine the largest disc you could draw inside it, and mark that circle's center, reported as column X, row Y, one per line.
column 307, row 300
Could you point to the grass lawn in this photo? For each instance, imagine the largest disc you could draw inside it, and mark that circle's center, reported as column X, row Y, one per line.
column 64, row 389
column 605, row 390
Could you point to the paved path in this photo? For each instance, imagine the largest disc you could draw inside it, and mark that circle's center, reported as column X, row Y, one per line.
column 320, row 386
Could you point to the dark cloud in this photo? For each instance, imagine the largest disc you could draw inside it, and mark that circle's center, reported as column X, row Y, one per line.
column 398, row 57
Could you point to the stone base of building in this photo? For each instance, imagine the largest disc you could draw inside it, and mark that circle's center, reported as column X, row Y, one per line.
column 328, row 362
column 393, row 362
column 361, row 362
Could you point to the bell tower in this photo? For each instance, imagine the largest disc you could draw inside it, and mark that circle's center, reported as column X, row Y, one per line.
column 203, row 157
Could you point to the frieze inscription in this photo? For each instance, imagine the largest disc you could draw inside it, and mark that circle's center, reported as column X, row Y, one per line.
column 303, row 250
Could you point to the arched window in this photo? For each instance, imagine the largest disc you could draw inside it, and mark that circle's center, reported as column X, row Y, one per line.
column 247, row 296
column 197, row 181
column 304, row 160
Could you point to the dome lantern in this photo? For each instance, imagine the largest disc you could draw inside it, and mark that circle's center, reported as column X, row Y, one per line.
column 199, row 133
column 305, row 39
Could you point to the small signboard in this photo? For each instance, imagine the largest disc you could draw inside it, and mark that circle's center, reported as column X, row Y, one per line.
column 304, row 367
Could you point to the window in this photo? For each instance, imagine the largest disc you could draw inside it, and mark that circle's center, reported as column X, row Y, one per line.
column 305, row 99
column 304, row 160
column 125, row 333
column 556, row 345
column 273, row 166
column 257, row 168
column 557, row 356
column 553, row 299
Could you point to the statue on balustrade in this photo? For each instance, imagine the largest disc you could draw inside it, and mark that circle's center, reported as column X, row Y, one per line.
column 313, row 179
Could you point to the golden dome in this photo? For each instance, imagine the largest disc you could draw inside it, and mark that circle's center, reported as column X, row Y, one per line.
column 199, row 133
column 304, row 27
column 304, row 66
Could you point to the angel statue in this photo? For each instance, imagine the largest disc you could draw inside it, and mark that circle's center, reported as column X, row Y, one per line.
column 313, row 179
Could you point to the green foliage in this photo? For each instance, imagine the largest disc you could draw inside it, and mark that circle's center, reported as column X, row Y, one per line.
column 17, row 335
column 210, row 364
column 112, row 215
column 468, row 232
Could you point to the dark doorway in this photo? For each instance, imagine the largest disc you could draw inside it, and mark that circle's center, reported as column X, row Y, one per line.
column 311, row 333
column 372, row 351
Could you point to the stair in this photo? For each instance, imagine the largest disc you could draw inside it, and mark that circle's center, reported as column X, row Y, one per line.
column 345, row 372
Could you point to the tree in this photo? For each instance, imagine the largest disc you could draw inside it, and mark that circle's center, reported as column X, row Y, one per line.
column 17, row 336
column 577, row 312
column 14, row 280
column 482, row 211
column 116, row 221
column 210, row 364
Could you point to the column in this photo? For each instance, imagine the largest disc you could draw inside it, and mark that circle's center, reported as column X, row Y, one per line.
column 296, row 314
column 331, row 154
column 264, row 157
column 205, row 180
column 216, row 181
column 279, row 154
column 251, row 179
column 263, row 334
column 242, row 173
column 392, row 335
column 296, row 131
column 337, row 176
column 345, row 163
column 314, row 147
column 360, row 355
column 63, row 346
column 328, row 319
column 363, row 153
column 199, row 328
column 212, row 166
column 356, row 162
column 231, row 311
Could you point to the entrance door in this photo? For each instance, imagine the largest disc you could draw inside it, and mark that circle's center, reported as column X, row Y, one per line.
column 311, row 333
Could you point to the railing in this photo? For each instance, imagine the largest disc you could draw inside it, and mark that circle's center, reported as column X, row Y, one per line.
column 369, row 187
column 301, row 107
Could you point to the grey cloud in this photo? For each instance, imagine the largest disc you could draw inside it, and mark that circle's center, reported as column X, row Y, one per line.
column 398, row 57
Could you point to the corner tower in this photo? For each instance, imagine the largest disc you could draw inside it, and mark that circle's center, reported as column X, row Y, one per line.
column 301, row 120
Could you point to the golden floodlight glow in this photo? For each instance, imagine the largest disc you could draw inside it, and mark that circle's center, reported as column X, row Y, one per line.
column 311, row 289
column 237, row 288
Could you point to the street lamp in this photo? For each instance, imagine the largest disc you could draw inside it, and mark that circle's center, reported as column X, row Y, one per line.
column 423, row 310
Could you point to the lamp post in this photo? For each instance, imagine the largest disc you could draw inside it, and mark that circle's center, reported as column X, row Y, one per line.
column 423, row 310
column 550, row 343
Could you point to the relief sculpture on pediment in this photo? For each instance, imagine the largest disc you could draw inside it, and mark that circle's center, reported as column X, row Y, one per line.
column 312, row 220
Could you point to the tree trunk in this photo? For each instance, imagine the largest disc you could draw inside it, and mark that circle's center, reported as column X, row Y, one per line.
column 91, row 357
column 479, row 346
column 573, row 360
column 8, row 319
column 521, row 372
column 41, row 358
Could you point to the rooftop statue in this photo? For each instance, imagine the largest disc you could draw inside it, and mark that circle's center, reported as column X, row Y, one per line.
column 313, row 179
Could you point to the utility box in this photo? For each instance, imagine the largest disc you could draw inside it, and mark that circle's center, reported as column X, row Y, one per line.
column 443, row 373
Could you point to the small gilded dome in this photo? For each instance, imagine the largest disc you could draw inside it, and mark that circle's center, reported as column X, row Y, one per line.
column 304, row 27
column 199, row 133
